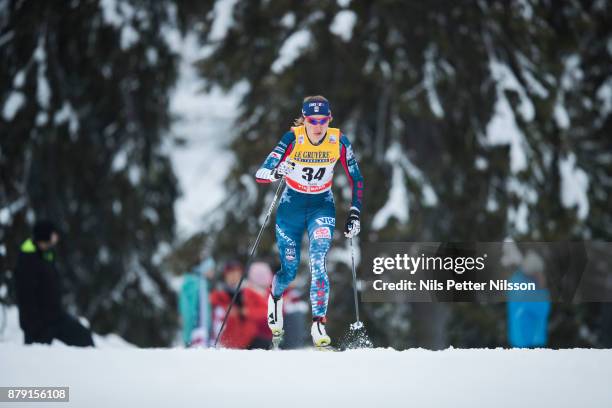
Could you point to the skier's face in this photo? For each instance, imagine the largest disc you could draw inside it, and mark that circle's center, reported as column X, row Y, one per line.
column 316, row 126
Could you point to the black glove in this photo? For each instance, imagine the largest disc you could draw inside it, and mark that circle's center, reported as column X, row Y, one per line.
column 352, row 226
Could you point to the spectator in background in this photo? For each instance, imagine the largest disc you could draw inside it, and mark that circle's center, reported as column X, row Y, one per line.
column 39, row 299
column 239, row 331
column 194, row 305
column 528, row 311
column 255, row 301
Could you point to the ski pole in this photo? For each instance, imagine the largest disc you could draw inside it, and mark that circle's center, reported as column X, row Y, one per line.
column 255, row 245
column 358, row 323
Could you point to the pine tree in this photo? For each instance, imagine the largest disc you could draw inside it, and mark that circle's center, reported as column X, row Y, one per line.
column 416, row 87
column 84, row 97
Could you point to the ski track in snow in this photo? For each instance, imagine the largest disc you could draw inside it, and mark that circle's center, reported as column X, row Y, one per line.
column 116, row 374
column 358, row 378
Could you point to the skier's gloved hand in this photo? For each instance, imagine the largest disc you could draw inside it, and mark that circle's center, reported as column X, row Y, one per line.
column 264, row 174
column 352, row 226
column 284, row 168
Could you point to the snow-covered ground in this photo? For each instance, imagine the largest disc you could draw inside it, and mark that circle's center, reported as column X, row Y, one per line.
column 11, row 334
column 118, row 375
column 359, row 378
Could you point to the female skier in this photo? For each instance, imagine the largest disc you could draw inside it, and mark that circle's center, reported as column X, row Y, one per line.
column 306, row 156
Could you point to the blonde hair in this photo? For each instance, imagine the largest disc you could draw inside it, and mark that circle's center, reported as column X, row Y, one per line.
column 299, row 121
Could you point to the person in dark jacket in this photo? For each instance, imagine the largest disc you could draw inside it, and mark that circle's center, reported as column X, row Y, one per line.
column 41, row 315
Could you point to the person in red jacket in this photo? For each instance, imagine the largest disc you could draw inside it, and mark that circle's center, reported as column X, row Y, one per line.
column 239, row 331
column 255, row 301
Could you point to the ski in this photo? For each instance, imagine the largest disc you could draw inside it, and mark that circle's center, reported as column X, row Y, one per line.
column 327, row 348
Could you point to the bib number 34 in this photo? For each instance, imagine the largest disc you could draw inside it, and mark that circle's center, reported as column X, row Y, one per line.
column 308, row 173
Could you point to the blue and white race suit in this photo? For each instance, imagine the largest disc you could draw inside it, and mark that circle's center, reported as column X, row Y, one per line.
column 307, row 203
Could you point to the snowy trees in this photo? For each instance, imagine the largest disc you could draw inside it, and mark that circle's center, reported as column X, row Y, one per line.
column 473, row 122
column 84, row 111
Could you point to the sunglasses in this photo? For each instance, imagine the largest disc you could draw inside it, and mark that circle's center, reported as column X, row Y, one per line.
column 314, row 121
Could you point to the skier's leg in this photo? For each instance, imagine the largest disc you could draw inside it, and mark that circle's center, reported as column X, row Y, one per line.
column 289, row 229
column 288, row 237
column 320, row 231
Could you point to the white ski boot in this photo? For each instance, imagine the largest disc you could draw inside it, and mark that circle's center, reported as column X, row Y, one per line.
column 319, row 336
column 275, row 320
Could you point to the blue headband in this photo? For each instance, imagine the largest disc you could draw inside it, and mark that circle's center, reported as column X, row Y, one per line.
column 316, row 108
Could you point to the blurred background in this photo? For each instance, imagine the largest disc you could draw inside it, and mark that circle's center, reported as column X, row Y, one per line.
column 137, row 127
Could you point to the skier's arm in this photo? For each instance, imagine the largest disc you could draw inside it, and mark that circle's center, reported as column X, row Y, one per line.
column 347, row 158
column 277, row 156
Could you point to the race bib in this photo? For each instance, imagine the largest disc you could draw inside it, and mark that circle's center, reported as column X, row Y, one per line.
column 314, row 165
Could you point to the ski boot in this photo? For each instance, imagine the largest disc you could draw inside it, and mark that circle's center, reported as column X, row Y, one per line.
column 275, row 320
column 319, row 337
